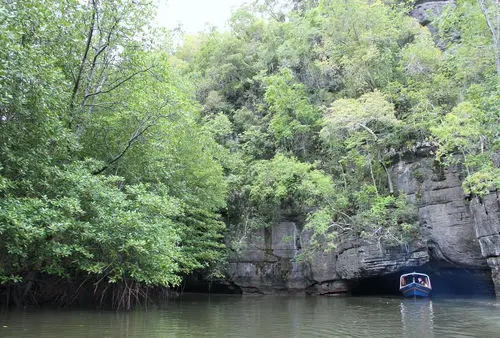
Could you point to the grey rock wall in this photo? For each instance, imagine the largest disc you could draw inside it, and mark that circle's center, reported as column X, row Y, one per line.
column 486, row 217
column 445, row 216
column 267, row 263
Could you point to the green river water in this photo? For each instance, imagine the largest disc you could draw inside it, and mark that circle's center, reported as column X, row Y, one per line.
column 203, row 315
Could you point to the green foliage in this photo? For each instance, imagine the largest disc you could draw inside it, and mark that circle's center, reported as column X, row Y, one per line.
column 460, row 130
column 284, row 182
column 469, row 135
column 464, row 27
column 87, row 223
column 106, row 169
column 364, row 127
column 362, row 40
column 483, row 181
column 389, row 218
column 293, row 118
column 351, row 115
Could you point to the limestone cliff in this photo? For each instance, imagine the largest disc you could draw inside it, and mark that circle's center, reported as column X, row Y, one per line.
column 455, row 233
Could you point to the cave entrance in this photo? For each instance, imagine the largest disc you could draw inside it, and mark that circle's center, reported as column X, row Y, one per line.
column 197, row 283
column 446, row 282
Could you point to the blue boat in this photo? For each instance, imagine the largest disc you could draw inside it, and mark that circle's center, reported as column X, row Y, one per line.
column 415, row 284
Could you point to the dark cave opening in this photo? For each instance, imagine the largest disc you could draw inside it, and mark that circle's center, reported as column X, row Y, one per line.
column 197, row 283
column 446, row 281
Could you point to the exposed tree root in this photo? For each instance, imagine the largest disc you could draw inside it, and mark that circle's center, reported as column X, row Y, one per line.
column 38, row 290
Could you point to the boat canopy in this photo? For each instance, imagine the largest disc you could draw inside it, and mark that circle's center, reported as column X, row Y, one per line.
column 413, row 277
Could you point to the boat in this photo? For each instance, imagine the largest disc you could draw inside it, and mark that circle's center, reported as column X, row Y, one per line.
column 415, row 284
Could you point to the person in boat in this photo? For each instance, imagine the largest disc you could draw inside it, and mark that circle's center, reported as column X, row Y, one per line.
column 423, row 281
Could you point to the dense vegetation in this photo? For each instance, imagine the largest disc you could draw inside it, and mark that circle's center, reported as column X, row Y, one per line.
column 124, row 162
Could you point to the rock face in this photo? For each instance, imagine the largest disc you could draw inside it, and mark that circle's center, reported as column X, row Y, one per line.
column 486, row 216
column 423, row 11
column 268, row 261
column 454, row 234
column 445, row 217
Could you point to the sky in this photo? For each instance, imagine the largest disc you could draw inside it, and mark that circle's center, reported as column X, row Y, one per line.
column 193, row 15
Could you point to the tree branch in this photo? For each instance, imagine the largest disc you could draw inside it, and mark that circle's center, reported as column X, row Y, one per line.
column 99, row 50
column 85, row 54
column 367, row 129
column 389, row 179
column 118, row 84
column 132, row 139
column 135, row 135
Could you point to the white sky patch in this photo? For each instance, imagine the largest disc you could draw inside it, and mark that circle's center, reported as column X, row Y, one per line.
column 194, row 15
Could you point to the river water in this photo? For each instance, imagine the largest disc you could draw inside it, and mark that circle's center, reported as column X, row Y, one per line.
column 203, row 315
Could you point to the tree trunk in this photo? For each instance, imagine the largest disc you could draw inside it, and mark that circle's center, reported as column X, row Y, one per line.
column 389, row 179
column 90, row 34
column 491, row 12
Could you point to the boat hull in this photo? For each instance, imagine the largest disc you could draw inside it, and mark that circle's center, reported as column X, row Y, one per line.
column 415, row 290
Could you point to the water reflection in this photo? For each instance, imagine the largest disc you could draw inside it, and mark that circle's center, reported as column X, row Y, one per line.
column 417, row 317
column 268, row 316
